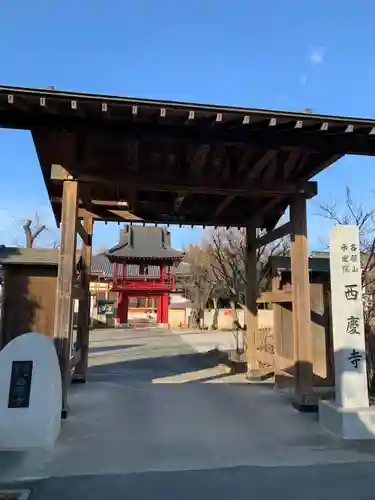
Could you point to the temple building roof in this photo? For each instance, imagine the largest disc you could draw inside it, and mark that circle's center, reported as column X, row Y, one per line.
column 102, row 267
column 138, row 242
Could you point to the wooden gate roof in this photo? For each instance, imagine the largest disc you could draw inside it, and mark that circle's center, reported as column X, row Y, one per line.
column 169, row 162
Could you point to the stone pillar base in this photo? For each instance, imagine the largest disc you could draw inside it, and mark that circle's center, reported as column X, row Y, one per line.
column 347, row 423
column 78, row 378
column 306, row 403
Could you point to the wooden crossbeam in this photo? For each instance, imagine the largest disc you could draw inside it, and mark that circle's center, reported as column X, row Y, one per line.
column 253, row 188
column 85, row 236
column 278, row 296
column 276, row 234
column 99, row 213
column 121, row 205
column 59, row 173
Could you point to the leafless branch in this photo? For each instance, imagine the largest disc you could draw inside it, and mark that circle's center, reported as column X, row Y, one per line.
column 33, row 231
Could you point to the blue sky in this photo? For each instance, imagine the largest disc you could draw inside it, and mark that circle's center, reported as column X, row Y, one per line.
column 271, row 54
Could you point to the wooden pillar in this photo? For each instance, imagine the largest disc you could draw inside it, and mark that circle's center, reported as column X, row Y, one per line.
column 83, row 330
column 173, row 274
column 65, row 281
column 251, row 310
column 302, row 333
column 165, row 300
column 126, row 308
column 159, row 309
column 123, row 308
column 120, row 297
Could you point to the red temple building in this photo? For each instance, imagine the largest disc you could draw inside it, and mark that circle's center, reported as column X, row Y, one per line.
column 144, row 270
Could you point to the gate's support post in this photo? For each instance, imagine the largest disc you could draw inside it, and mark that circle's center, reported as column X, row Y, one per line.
column 302, row 334
column 65, row 280
column 120, row 298
column 251, row 310
column 125, row 305
column 159, row 299
column 165, row 300
column 83, row 330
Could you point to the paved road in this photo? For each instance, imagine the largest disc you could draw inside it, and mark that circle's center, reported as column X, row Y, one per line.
column 145, row 424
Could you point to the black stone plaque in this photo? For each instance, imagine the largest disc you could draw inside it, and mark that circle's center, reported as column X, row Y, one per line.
column 20, row 384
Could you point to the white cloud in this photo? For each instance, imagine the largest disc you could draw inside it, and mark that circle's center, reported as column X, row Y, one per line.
column 303, row 79
column 316, row 55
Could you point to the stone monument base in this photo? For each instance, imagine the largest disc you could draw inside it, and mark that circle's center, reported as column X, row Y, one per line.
column 347, row 423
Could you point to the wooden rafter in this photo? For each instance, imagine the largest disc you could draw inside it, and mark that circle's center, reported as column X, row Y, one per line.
column 223, row 205
column 321, row 163
column 132, row 154
column 180, row 198
column 294, row 156
column 257, row 168
column 199, row 158
column 246, row 157
column 267, row 209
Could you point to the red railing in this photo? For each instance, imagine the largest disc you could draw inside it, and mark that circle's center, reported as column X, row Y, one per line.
column 137, row 283
column 164, row 281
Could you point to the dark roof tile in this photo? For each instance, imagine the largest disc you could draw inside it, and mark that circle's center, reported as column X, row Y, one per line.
column 137, row 242
column 30, row 256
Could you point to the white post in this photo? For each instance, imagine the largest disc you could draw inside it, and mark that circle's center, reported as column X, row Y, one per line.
column 347, row 318
column 349, row 415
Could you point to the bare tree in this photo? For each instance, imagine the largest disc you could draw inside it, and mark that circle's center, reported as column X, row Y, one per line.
column 200, row 284
column 217, row 270
column 228, row 259
column 363, row 217
column 228, row 247
column 33, row 230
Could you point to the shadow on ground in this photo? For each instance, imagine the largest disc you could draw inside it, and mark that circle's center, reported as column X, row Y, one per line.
column 110, row 348
column 149, row 368
column 343, row 481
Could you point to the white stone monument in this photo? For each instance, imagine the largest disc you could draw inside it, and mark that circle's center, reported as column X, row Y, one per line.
column 30, row 393
column 349, row 415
